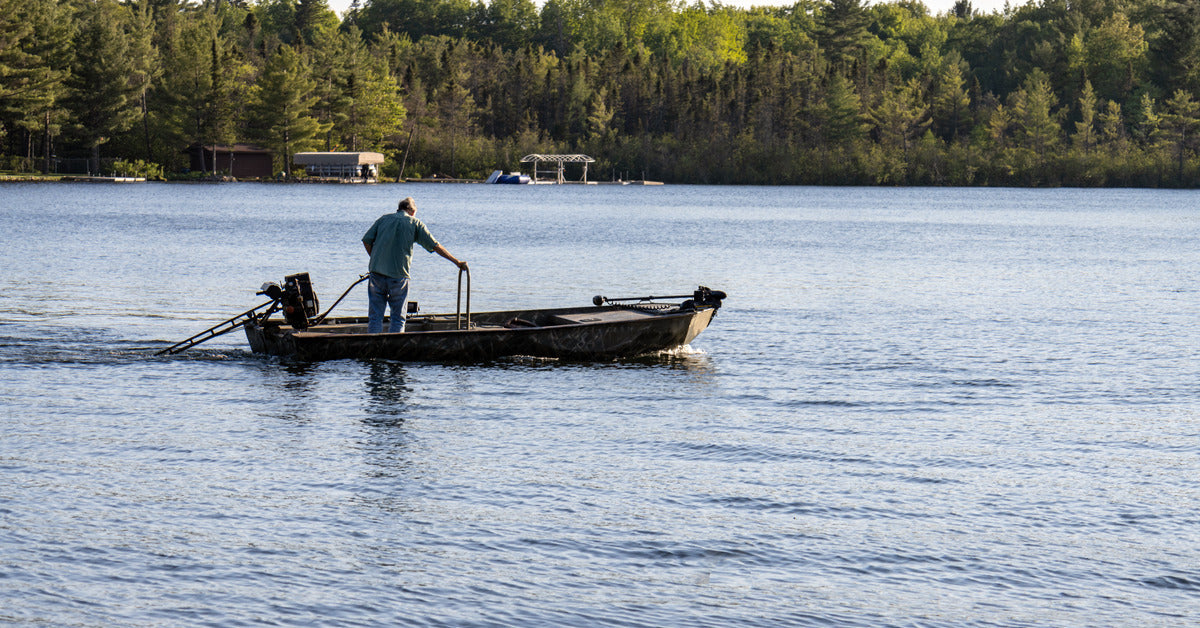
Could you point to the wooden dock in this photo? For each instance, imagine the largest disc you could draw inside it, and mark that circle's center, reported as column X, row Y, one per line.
column 90, row 179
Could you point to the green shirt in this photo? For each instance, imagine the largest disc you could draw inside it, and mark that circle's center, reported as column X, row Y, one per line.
column 391, row 239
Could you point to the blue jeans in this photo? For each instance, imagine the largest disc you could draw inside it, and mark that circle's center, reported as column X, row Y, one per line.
column 384, row 292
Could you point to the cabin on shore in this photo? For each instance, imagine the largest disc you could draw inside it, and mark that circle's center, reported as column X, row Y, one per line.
column 347, row 167
column 241, row 161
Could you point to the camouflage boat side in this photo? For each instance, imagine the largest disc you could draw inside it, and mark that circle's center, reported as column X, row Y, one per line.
column 588, row 333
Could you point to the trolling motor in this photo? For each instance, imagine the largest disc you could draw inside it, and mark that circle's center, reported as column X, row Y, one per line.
column 702, row 297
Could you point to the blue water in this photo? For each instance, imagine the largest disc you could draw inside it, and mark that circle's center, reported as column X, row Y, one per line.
column 918, row 407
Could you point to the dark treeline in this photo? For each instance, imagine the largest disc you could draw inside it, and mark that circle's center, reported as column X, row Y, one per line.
column 1080, row 92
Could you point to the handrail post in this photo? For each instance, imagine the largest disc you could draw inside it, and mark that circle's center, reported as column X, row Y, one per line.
column 458, row 299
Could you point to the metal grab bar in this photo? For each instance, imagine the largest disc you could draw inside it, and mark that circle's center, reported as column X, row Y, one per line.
column 458, row 300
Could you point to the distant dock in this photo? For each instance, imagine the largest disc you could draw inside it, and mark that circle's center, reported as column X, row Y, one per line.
column 441, row 180
column 619, row 182
column 89, row 179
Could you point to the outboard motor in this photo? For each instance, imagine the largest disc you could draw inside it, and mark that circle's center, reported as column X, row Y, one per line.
column 298, row 301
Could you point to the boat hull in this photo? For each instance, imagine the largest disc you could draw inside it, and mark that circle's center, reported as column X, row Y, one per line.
column 602, row 333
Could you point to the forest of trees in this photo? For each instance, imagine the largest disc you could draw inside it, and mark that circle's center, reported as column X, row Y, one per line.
column 1056, row 92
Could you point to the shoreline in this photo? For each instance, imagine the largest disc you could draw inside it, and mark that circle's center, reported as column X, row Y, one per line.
column 65, row 178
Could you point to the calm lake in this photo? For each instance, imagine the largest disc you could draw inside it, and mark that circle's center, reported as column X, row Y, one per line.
column 918, row 407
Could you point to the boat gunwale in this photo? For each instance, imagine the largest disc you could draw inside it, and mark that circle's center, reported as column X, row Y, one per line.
column 308, row 334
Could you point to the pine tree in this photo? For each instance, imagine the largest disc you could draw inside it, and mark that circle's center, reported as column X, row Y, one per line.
column 281, row 110
column 332, row 54
column 1177, row 48
column 842, row 31
column 1147, row 120
column 951, row 101
column 223, row 99
column 841, row 119
column 23, row 74
column 310, row 18
column 1085, row 129
column 901, row 116
column 456, row 110
column 1116, row 54
column 145, row 64
column 377, row 111
column 1180, row 125
column 103, row 100
column 1036, row 123
column 35, row 62
column 180, row 106
column 1112, row 123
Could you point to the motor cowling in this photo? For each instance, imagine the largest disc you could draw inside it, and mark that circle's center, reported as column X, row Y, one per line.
column 298, row 300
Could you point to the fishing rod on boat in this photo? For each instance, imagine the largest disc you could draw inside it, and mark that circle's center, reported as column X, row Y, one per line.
column 703, row 296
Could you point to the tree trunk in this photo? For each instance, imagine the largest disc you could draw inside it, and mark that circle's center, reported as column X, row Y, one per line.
column 146, row 126
column 404, row 161
column 46, row 145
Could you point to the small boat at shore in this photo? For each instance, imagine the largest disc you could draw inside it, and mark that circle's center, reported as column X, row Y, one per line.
column 512, row 178
column 608, row 329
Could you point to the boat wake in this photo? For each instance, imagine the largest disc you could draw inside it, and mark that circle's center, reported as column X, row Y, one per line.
column 683, row 351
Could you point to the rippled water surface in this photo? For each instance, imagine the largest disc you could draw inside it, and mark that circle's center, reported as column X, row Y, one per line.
column 929, row 407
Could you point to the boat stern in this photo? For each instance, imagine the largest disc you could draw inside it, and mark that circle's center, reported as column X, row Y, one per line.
column 269, row 339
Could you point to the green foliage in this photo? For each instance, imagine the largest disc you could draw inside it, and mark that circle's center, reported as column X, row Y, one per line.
column 1180, row 128
column 24, row 73
column 842, row 31
column 139, row 168
column 417, row 18
column 1116, row 57
column 281, row 107
column 102, row 99
column 509, row 24
column 1049, row 92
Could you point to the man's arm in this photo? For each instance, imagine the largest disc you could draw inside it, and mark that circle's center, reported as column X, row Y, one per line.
column 367, row 246
column 441, row 250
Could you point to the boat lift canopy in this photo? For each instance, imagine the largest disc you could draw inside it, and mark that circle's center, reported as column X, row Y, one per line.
column 340, row 165
column 558, row 161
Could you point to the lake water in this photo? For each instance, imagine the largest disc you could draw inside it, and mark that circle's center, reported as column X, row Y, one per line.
column 918, row 407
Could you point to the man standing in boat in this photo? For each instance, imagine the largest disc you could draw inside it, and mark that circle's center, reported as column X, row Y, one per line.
column 389, row 242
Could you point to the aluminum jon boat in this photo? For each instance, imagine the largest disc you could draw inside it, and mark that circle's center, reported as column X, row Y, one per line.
column 608, row 329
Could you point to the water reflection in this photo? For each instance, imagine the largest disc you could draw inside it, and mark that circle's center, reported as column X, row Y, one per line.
column 300, row 369
column 388, row 393
column 289, row 387
column 385, row 443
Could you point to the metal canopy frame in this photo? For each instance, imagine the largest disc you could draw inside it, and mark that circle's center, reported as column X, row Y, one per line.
column 559, row 161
